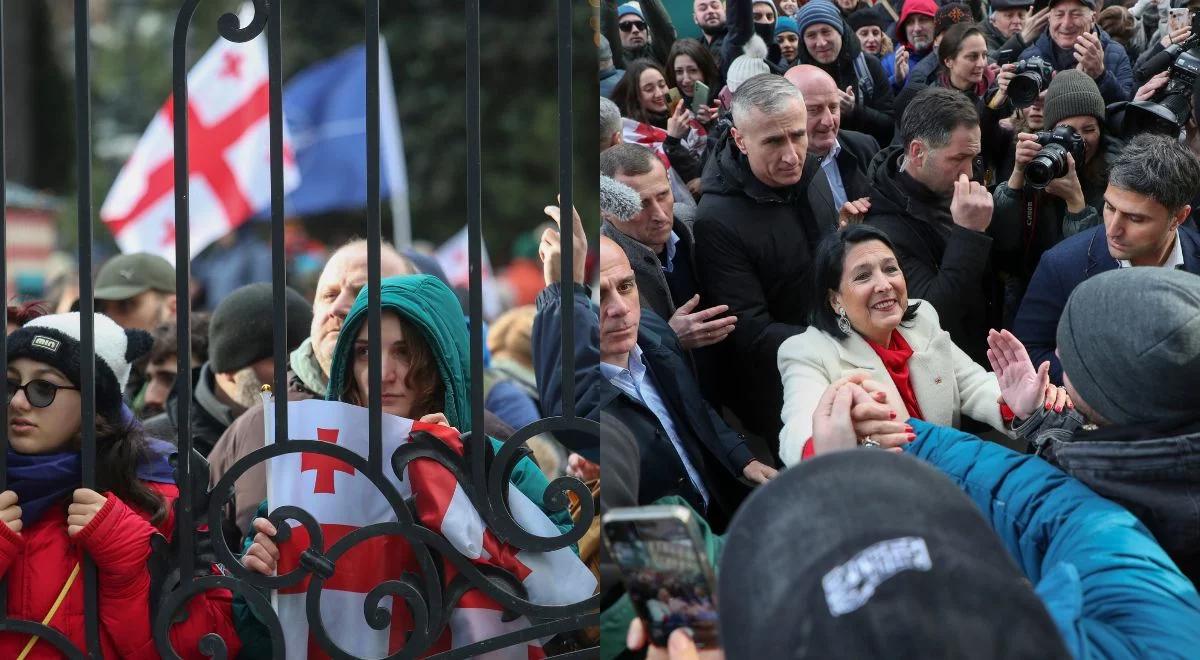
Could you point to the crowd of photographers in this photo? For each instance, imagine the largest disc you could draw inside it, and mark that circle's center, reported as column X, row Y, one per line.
column 839, row 223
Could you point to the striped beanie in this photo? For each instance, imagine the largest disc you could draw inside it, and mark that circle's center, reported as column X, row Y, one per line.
column 55, row 340
column 819, row 11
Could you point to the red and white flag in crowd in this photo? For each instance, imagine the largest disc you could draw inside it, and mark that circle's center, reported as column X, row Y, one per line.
column 654, row 138
column 228, row 159
column 454, row 258
column 343, row 500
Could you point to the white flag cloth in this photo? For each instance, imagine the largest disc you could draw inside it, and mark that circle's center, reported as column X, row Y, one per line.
column 229, row 161
column 343, row 500
column 454, row 258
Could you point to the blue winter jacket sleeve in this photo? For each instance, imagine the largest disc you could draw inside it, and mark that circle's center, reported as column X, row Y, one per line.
column 1106, row 582
column 547, row 363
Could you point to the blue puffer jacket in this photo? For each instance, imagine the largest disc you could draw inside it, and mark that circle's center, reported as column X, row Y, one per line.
column 1110, row 588
column 1117, row 82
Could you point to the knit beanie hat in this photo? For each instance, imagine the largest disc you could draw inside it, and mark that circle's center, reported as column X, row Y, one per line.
column 1072, row 93
column 786, row 24
column 883, row 536
column 629, row 8
column 242, row 329
column 819, row 11
column 55, row 340
column 950, row 14
column 1129, row 342
column 866, row 17
column 749, row 64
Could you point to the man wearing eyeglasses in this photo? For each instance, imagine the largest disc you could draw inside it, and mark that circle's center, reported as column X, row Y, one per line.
column 643, row 29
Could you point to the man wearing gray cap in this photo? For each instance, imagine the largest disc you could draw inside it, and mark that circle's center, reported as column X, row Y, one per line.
column 1129, row 342
column 136, row 290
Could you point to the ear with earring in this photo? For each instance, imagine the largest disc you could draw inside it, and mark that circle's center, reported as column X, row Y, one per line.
column 843, row 321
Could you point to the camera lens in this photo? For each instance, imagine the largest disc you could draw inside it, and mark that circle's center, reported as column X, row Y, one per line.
column 1048, row 165
column 1024, row 88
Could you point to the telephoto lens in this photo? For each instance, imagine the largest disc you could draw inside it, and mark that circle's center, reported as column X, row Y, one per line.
column 1032, row 77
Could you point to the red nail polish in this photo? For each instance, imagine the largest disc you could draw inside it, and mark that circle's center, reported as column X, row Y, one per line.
column 911, row 437
column 908, row 428
column 892, row 414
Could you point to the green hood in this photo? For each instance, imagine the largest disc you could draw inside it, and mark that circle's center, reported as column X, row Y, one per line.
column 429, row 305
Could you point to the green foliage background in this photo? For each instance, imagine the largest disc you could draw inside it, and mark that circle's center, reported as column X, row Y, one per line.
column 131, row 77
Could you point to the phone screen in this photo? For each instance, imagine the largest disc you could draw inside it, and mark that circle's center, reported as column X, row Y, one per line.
column 1178, row 18
column 665, row 576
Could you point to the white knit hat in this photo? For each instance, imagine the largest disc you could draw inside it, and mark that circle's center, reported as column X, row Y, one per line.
column 746, row 66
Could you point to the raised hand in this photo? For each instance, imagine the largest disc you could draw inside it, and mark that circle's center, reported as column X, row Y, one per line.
column 1089, row 53
column 263, row 555
column 971, row 206
column 1022, row 388
column 853, row 211
column 702, row 328
column 550, row 248
column 85, row 504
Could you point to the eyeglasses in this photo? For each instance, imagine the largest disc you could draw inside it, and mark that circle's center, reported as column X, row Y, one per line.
column 628, row 26
column 40, row 393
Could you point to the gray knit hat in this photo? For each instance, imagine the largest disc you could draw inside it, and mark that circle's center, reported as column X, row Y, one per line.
column 1072, row 93
column 241, row 331
column 749, row 64
column 1129, row 342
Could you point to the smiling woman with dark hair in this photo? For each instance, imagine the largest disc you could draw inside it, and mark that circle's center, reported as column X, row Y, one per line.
column 863, row 320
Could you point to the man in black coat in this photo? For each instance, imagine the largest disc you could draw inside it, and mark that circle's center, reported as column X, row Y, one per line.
column 841, row 190
column 686, row 449
column 755, row 233
column 937, row 218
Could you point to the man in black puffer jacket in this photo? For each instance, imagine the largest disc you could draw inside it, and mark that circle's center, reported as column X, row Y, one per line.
column 755, row 233
column 828, row 43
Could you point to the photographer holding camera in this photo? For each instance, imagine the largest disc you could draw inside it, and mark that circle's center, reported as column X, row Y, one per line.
column 1057, row 185
column 1074, row 42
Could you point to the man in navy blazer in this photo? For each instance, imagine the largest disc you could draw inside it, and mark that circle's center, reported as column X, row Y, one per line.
column 1147, row 202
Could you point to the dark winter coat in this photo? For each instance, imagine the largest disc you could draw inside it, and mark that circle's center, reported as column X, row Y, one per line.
column 658, row 24
column 754, row 247
column 943, row 263
column 210, row 416
column 995, row 141
column 718, row 453
column 1063, row 268
column 1117, row 82
column 873, row 108
column 739, row 27
column 853, row 160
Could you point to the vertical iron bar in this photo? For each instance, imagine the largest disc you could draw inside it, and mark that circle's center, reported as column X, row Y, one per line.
column 566, row 207
column 3, row 283
column 374, row 237
column 183, row 325
column 475, row 235
column 278, row 269
column 87, row 304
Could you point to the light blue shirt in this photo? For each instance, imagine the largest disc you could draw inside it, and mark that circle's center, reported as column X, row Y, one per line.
column 830, row 167
column 633, row 381
column 671, row 243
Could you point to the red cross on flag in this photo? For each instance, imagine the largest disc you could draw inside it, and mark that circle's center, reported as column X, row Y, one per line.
column 343, row 500
column 228, row 157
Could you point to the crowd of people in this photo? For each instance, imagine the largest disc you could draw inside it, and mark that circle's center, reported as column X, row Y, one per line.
column 899, row 226
column 51, row 521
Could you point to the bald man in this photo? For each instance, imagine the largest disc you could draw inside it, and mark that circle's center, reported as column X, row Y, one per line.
column 686, row 448
column 840, row 193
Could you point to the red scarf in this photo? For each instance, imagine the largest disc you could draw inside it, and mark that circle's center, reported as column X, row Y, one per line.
column 895, row 359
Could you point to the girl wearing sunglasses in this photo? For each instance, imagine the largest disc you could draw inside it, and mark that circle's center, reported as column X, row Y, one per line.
column 48, row 521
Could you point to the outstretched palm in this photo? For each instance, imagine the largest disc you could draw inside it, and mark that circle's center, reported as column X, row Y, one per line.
column 1023, row 388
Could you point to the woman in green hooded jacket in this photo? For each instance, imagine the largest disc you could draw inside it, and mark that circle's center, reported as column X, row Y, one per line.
column 425, row 376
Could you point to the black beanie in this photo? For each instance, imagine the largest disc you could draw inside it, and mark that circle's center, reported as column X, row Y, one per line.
column 54, row 339
column 868, row 554
column 241, row 331
column 865, row 17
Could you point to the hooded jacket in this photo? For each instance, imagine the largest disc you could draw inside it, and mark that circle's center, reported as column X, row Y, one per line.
column 38, row 562
column 426, row 303
column 1116, row 84
column 873, row 105
column 209, row 416
column 923, row 7
column 756, row 245
column 943, row 263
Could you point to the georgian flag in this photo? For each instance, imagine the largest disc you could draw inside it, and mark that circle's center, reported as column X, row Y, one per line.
column 653, row 137
column 229, row 158
column 342, row 501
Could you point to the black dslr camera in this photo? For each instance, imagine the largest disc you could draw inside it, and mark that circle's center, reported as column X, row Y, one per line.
column 1031, row 78
column 1051, row 161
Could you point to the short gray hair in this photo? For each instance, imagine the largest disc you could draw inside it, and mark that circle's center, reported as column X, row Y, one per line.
column 627, row 158
column 610, row 118
column 1157, row 167
column 767, row 92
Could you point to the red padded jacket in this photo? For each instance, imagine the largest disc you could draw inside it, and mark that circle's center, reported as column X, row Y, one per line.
column 39, row 560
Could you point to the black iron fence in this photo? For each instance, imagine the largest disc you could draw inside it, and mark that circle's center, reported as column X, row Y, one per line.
column 482, row 474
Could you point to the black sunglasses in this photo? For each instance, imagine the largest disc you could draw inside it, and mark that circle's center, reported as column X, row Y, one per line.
column 40, row 393
column 628, row 26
